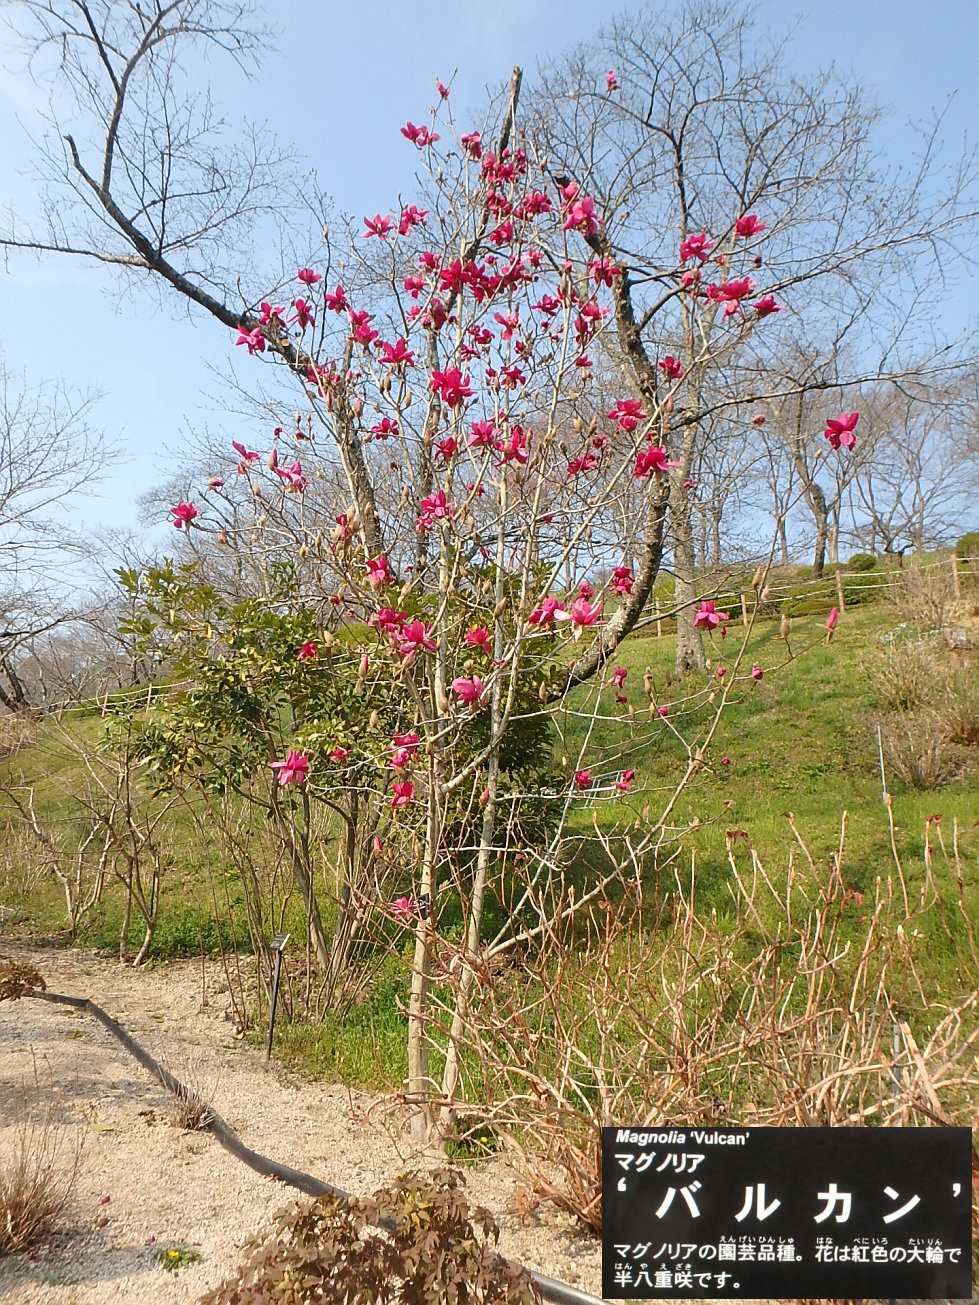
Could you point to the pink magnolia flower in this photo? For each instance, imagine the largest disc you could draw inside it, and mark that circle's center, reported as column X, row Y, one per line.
column 624, row 782
column 388, row 620
column 308, row 276
column 619, row 676
column 361, row 330
column 611, row 81
column 379, row 571
column 246, row 455
column 469, row 690
column 401, row 793
column 765, row 306
column 695, row 246
column 603, row 270
column 336, row 300
column 447, row 448
column 414, row 284
column 410, row 739
column 215, row 482
column 339, row 754
column 307, row 651
column 725, row 761
column 254, row 339
column 412, row 216
column 295, row 478
column 304, row 314
column 708, row 617
column 514, row 447
column 652, row 461
column 581, row 216
column 183, row 514
column 403, row 908
column 671, row 368
column 295, row 768
column 757, row 672
column 472, row 143
column 451, row 386
column 420, row 136
column 586, row 462
column 442, row 89
column 549, row 611
column 622, row 579
column 397, row 354
column 730, row 293
column 269, row 315
column 483, row 435
column 385, row 427
column 434, row 507
column 721, row 670
column 379, row 225
column 839, row 430
column 663, row 711
column 832, row 619
column 478, row 637
column 412, row 638
column 582, row 778
column 749, row 225
column 583, row 615
column 627, row 413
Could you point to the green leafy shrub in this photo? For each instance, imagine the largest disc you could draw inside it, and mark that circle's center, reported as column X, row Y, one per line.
column 862, row 562
column 968, row 545
column 436, row 1250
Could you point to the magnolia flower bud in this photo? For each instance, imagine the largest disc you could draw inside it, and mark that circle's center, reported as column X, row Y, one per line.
column 357, row 406
column 484, row 797
column 500, row 607
column 272, row 461
column 757, row 578
column 373, row 720
column 222, row 536
column 365, row 663
column 783, row 628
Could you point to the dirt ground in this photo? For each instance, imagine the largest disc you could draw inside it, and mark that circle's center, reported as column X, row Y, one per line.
column 171, row 1188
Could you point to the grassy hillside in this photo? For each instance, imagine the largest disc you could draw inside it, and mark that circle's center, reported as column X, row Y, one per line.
column 801, row 740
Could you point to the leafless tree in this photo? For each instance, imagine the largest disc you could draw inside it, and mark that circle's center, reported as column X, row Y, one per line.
column 705, row 125
column 911, row 489
column 49, row 453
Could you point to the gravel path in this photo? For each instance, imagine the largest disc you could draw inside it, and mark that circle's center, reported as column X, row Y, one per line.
column 172, row 1188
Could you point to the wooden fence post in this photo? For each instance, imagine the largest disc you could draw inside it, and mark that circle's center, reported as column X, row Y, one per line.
column 956, row 578
column 744, row 610
column 839, row 592
column 659, row 623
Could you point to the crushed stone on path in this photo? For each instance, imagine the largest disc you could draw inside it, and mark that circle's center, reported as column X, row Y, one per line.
column 170, row 1188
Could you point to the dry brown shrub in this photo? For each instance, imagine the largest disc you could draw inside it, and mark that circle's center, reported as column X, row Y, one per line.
column 18, row 979
column 435, row 1248
column 660, row 1013
column 193, row 1113
column 38, row 1172
column 17, row 730
column 923, row 594
column 918, row 747
column 906, row 676
column 23, row 866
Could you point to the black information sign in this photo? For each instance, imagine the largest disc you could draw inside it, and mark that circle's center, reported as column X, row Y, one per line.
column 782, row 1213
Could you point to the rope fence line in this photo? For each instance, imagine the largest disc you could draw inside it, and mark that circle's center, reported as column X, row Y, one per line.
column 560, row 1293
column 834, row 584
column 775, row 594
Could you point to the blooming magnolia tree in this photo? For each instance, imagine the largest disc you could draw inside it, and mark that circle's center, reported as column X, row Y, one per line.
column 421, row 694
column 472, row 372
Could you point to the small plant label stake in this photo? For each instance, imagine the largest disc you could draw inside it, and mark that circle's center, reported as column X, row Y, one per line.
column 278, row 945
column 786, row 1213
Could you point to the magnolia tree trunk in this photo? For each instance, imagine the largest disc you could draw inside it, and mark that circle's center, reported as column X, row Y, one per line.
column 689, row 644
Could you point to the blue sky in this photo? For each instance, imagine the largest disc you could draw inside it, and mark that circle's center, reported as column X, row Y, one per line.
column 344, row 78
